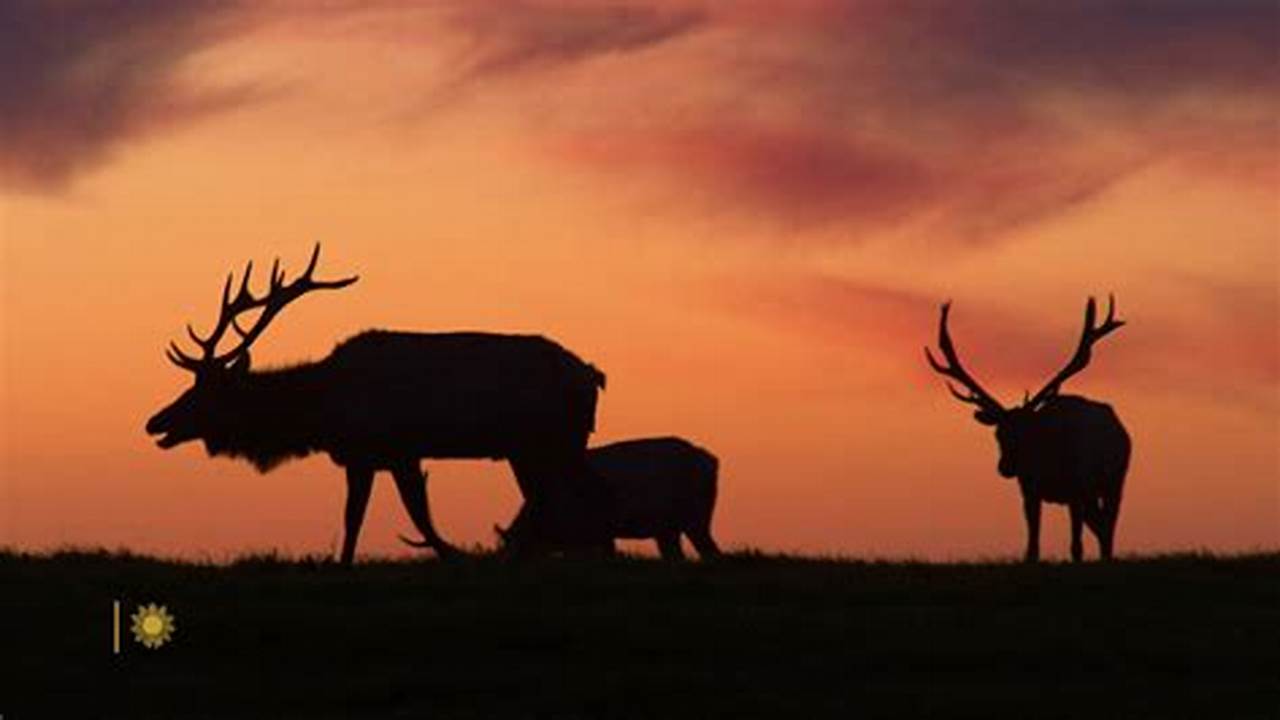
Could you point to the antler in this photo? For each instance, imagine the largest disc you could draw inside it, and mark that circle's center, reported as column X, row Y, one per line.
column 1084, row 350
column 278, row 296
column 954, row 370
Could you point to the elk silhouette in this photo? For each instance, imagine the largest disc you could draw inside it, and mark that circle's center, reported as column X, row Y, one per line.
column 385, row 400
column 657, row 488
column 1064, row 449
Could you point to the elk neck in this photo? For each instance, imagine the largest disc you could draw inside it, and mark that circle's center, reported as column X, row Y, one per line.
column 279, row 414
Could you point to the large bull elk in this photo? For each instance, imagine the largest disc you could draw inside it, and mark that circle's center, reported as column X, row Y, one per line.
column 385, row 401
column 1063, row 449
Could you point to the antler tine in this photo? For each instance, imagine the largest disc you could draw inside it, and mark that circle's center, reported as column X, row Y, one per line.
column 335, row 284
column 937, row 366
column 226, row 297
column 191, row 332
column 954, row 369
column 231, row 308
column 226, row 288
column 180, row 358
column 278, row 296
column 1111, row 323
column 1095, row 332
column 235, row 325
column 1084, row 351
column 244, row 296
column 325, row 284
column 970, row 398
column 311, row 264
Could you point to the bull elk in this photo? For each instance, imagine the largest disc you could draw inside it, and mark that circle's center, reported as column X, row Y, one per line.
column 386, row 400
column 1064, row 449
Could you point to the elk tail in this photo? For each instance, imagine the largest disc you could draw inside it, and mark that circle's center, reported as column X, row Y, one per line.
column 413, row 543
column 597, row 376
column 504, row 534
column 597, row 380
column 711, row 466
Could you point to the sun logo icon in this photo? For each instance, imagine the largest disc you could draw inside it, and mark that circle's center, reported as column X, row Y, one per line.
column 152, row 625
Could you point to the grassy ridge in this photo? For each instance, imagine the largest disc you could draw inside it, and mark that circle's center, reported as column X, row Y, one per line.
column 752, row 636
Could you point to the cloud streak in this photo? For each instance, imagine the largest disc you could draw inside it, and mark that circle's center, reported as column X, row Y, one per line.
column 814, row 176
column 78, row 78
column 1010, row 349
column 968, row 120
column 974, row 118
column 521, row 35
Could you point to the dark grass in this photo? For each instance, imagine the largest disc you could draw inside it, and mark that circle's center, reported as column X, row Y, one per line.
column 751, row 636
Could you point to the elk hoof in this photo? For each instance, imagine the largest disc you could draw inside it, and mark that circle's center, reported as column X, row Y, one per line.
column 414, row 543
column 445, row 551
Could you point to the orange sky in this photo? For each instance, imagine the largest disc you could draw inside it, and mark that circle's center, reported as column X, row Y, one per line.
column 747, row 217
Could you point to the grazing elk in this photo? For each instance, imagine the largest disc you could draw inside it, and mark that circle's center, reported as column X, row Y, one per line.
column 384, row 401
column 1063, row 449
column 658, row 488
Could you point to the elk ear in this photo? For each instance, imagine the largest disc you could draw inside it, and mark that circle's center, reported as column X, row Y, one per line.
column 240, row 366
column 986, row 417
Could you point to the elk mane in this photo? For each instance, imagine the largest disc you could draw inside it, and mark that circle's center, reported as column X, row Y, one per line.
column 272, row 416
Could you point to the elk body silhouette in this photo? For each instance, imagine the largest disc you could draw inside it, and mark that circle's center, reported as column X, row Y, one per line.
column 656, row 488
column 1063, row 449
column 386, row 400
column 660, row 488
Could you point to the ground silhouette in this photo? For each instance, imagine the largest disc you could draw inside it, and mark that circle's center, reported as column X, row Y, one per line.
column 745, row 636
column 1063, row 449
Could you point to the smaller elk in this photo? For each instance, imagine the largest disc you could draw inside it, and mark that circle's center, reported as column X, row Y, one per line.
column 658, row 488
column 1063, row 449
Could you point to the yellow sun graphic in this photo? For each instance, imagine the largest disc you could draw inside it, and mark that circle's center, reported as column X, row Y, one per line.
column 152, row 625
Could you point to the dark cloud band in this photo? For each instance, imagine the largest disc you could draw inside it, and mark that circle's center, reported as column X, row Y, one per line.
column 79, row 77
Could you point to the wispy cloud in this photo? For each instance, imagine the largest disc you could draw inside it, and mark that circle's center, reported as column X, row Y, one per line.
column 970, row 118
column 79, row 77
column 518, row 35
column 809, row 176
column 1010, row 348
column 979, row 117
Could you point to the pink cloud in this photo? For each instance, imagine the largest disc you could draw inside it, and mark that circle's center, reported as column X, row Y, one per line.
column 1231, row 349
column 78, row 78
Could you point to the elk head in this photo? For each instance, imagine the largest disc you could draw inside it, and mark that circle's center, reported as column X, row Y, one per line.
column 1013, row 424
column 202, row 412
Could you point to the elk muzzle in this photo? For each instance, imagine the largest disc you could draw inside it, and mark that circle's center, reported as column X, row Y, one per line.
column 164, row 423
column 1006, row 468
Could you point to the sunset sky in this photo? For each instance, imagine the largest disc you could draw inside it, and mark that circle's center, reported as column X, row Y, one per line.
column 746, row 213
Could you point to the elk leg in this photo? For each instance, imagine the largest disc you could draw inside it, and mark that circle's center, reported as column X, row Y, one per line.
column 1108, row 514
column 526, row 532
column 703, row 543
column 516, row 534
column 700, row 535
column 1079, row 513
column 600, row 508
column 411, row 481
column 1096, row 520
column 1031, row 510
column 359, row 483
column 669, row 546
